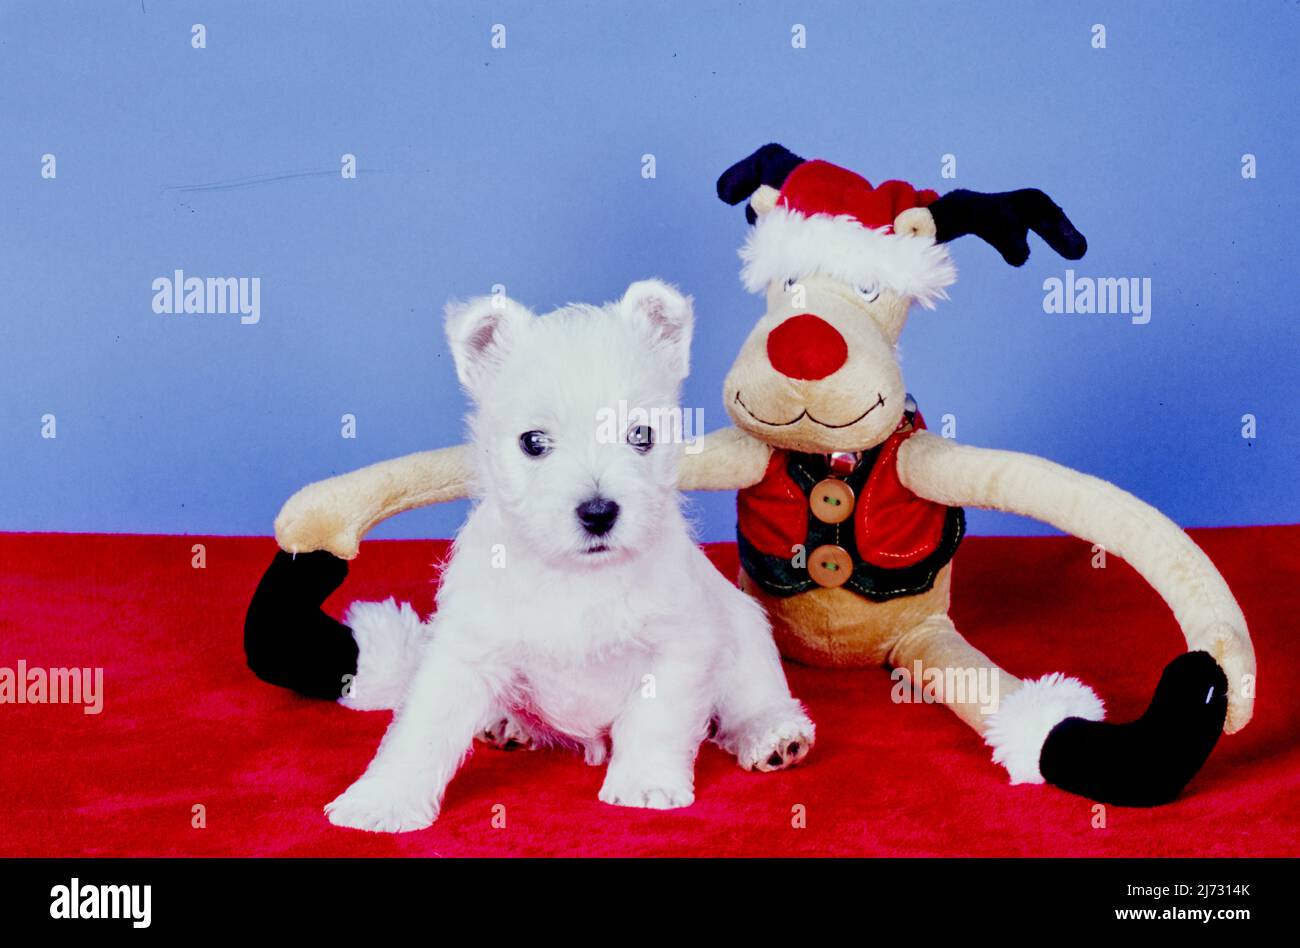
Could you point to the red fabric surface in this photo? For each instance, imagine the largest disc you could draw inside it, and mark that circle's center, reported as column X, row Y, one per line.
column 184, row 723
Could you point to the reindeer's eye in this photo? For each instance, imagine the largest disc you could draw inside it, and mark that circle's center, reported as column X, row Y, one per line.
column 535, row 444
column 869, row 292
column 641, row 437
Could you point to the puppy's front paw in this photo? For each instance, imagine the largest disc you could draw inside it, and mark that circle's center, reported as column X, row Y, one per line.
column 507, row 734
column 379, row 806
column 625, row 788
column 775, row 743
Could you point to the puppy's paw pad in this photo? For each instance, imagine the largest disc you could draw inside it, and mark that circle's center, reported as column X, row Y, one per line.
column 777, row 744
column 377, row 807
column 662, row 798
column 507, row 734
column 623, row 792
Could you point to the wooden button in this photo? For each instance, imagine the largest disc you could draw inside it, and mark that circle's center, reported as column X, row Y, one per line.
column 830, row 566
column 831, row 500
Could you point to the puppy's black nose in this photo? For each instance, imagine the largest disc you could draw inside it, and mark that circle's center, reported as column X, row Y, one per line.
column 597, row 515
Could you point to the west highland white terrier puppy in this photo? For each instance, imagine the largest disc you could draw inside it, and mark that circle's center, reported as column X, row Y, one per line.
column 576, row 609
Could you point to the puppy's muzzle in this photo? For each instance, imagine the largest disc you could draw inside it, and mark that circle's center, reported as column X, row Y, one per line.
column 597, row 515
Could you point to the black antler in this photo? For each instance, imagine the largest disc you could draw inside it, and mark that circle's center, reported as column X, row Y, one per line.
column 1004, row 221
column 770, row 165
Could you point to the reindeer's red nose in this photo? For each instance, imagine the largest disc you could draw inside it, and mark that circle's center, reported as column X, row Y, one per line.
column 806, row 347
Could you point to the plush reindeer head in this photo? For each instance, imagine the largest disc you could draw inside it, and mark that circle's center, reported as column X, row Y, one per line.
column 842, row 262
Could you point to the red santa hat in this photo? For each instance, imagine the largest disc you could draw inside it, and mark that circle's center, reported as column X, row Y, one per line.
column 831, row 221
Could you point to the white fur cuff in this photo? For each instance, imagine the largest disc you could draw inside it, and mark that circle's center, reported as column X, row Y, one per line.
column 389, row 639
column 1017, row 730
column 785, row 244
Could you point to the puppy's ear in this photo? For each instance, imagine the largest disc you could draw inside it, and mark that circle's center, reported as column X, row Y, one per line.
column 666, row 317
column 480, row 333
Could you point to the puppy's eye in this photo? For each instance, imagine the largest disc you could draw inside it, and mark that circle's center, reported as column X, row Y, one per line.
column 790, row 282
column 641, row 437
column 869, row 292
column 535, row 443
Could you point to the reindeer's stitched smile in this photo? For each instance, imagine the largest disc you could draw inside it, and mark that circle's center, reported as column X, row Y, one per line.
column 879, row 403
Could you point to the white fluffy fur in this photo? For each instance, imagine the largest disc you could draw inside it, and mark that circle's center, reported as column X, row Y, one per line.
column 785, row 244
column 628, row 652
column 389, row 639
column 1017, row 730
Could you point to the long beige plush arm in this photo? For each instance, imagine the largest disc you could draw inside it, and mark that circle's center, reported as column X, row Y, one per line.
column 335, row 514
column 1101, row 513
column 726, row 459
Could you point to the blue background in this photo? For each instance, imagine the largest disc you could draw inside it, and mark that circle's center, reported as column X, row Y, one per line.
column 522, row 167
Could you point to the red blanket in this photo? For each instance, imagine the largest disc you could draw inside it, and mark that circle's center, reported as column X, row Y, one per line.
column 192, row 755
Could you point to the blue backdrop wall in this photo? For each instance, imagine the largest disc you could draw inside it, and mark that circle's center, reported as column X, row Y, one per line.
column 523, row 166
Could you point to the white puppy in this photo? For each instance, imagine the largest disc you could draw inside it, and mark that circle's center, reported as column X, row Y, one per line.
column 576, row 608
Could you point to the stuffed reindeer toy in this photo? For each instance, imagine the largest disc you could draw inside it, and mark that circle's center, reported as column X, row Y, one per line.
column 849, row 511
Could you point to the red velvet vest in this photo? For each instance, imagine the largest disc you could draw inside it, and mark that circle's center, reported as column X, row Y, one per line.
column 896, row 541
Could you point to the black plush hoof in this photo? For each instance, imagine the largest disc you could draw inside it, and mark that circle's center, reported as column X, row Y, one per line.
column 288, row 639
column 1146, row 762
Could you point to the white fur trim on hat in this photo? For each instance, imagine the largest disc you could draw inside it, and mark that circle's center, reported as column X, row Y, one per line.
column 1024, row 718
column 785, row 244
column 389, row 640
